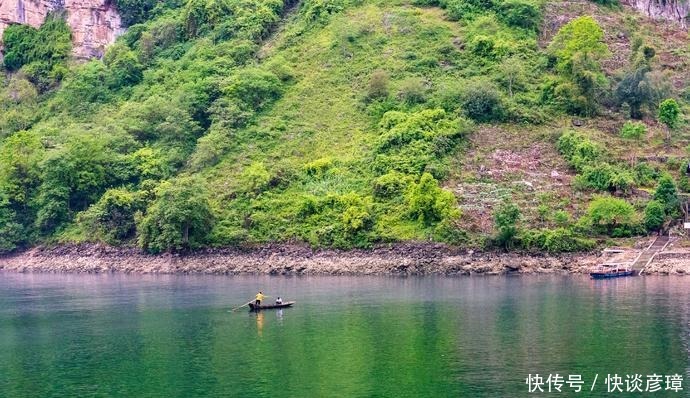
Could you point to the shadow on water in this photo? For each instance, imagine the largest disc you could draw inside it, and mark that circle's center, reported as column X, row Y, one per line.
column 118, row 335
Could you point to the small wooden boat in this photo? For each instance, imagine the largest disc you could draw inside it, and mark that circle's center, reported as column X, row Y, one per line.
column 617, row 272
column 254, row 307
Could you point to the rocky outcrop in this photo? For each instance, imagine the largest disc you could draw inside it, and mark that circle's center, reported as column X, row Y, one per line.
column 674, row 10
column 94, row 23
column 675, row 262
column 401, row 259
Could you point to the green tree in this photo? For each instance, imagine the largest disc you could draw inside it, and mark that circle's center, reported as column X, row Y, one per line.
column 84, row 89
column 513, row 73
column 520, row 13
column 581, row 37
column 635, row 89
column 180, row 218
column 20, row 155
column 41, row 53
column 667, row 194
column 135, row 11
column 18, row 41
column 11, row 231
column 638, row 86
column 201, row 15
column 578, row 48
column 124, row 68
column 73, row 176
column 506, row 219
column 634, row 132
column 669, row 114
column 654, row 215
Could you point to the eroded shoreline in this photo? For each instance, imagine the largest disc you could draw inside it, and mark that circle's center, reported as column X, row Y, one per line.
column 400, row 259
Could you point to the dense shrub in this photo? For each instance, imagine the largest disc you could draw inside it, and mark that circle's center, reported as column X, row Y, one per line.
column 42, row 53
column 412, row 91
column 378, row 85
column 645, row 175
column 654, row 215
column 607, row 2
column 612, row 216
column 520, row 13
column 320, row 10
column 112, row 218
column 559, row 240
column 123, row 66
column 249, row 19
column 160, row 118
column 669, row 113
column 412, row 143
column 636, row 90
column 210, row 148
column 391, row 184
column 180, row 217
column 605, row 177
column 253, row 88
column 357, row 212
column 578, row 149
column 19, row 42
column 137, row 11
column 85, row 89
column 578, row 48
column 342, row 221
column 506, row 219
column 633, row 130
column 482, row 102
column 255, row 178
column 11, row 231
column 429, row 203
column 483, row 46
column 466, row 9
column 666, row 193
column 72, row 178
column 319, row 167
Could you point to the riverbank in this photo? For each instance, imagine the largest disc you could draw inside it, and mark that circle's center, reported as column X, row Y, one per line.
column 400, row 259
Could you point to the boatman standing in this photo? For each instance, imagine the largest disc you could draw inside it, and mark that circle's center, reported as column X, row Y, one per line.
column 259, row 298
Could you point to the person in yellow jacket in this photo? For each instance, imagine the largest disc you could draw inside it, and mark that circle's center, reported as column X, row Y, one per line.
column 259, row 298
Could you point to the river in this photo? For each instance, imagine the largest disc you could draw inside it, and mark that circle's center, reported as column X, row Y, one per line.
column 174, row 336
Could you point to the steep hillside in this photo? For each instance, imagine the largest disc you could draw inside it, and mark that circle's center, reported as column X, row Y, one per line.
column 347, row 123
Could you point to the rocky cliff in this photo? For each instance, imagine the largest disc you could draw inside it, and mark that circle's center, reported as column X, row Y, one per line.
column 674, row 10
column 94, row 23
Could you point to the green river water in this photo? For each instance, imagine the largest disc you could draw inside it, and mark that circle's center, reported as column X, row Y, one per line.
column 173, row 336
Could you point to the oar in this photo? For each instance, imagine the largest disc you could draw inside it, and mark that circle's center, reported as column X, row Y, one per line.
column 249, row 302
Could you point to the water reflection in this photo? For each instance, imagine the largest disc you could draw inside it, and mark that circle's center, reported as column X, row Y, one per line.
column 279, row 316
column 259, row 315
column 474, row 337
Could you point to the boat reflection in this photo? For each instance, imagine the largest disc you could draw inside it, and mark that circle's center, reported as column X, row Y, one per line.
column 260, row 323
